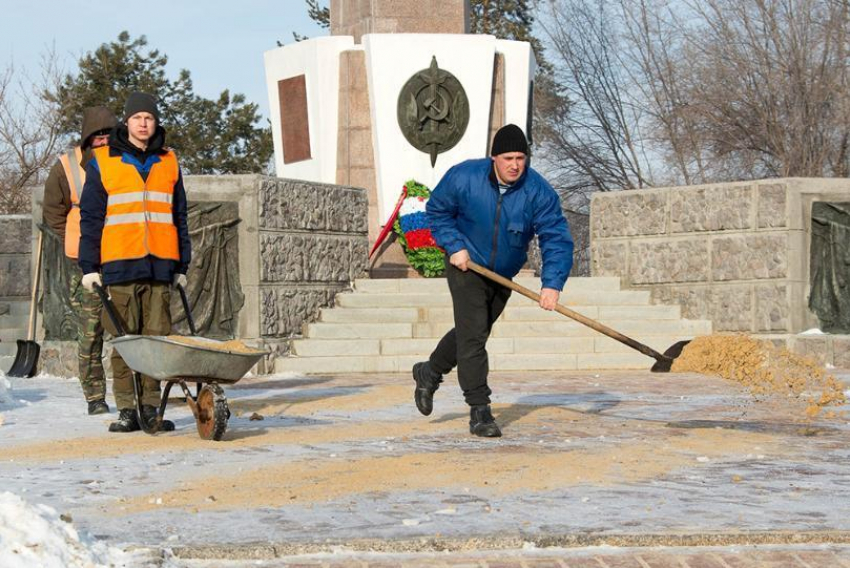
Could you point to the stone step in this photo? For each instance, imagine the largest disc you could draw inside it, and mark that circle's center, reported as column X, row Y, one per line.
column 531, row 346
column 385, row 326
column 8, row 348
column 439, row 285
column 9, row 321
column 15, row 307
column 498, row 362
column 529, row 312
column 405, row 300
column 350, row 330
column 12, row 334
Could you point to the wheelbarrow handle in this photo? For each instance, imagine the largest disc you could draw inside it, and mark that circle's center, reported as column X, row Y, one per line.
column 186, row 308
column 110, row 310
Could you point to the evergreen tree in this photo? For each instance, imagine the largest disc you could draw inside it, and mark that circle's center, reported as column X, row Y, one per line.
column 218, row 136
column 506, row 19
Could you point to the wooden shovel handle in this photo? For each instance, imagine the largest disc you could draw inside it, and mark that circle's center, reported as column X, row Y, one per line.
column 36, row 280
column 593, row 324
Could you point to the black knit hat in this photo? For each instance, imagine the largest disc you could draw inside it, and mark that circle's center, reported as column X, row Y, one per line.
column 509, row 138
column 140, row 102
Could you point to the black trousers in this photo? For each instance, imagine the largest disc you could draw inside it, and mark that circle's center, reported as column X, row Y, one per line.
column 477, row 304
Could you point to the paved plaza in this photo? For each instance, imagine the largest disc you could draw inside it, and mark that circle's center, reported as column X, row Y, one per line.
column 604, row 469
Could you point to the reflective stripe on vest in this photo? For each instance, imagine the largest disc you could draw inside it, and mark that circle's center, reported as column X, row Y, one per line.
column 76, row 177
column 139, row 215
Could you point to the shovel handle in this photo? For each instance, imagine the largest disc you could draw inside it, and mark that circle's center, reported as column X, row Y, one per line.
column 186, row 308
column 36, row 280
column 593, row 324
column 110, row 310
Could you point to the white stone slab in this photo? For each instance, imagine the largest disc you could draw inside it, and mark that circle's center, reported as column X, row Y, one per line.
column 391, row 59
column 318, row 60
column 519, row 62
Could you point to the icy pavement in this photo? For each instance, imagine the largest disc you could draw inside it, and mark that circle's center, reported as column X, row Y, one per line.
column 313, row 462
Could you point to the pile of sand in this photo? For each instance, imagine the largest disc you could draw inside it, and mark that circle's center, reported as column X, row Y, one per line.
column 232, row 346
column 766, row 370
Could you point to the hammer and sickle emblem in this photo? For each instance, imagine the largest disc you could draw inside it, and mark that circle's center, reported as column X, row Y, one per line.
column 433, row 111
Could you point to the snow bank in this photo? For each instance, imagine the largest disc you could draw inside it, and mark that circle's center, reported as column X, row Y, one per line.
column 36, row 536
column 4, row 393
column 5, row 385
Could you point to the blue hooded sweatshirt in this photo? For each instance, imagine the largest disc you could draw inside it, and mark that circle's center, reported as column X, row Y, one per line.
column 467, row 211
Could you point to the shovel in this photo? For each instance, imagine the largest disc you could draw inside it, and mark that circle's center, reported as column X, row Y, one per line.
column 663, row 362
column 26, row 359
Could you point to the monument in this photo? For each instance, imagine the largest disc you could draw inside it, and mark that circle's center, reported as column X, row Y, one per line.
column 398, row 91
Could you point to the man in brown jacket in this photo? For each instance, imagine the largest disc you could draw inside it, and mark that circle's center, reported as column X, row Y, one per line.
column 62, row 194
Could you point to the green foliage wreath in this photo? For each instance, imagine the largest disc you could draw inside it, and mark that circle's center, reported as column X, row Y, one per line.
column 427, row 260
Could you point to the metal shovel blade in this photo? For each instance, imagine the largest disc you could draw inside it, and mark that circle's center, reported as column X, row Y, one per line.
column 664, row 365
column 26, row 359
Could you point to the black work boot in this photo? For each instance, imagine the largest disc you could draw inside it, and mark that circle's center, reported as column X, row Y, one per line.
column 482, row 423
column 427, row 383
column 98, row 407
column 126, row 421
column 149, row 415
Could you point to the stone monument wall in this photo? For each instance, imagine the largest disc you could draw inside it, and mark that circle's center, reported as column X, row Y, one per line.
column 734, row 253
column 15, row 256
column 300, row 243
column 357, row 17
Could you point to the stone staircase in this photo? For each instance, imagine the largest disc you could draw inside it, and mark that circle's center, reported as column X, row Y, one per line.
column 386, row 325
column 13, row 326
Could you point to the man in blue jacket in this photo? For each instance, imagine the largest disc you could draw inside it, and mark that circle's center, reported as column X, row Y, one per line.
column 488, row 211
column 134, row 232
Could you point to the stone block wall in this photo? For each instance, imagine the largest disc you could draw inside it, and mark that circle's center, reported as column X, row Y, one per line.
column 300, row 243
column 15, row 256
column 735, row 253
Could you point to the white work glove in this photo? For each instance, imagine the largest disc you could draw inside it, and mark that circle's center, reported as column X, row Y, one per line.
column 180, row 280
column 90, row 279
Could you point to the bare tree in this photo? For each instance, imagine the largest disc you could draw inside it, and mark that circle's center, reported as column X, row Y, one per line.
column 699, row 91
column 596, row 144
column 30, row 136
column 768, row 82
column 655, row 41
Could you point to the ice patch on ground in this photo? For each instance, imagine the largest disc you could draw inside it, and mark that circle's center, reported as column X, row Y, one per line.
column 35, row 535
column 285, row 375
column 813, row 331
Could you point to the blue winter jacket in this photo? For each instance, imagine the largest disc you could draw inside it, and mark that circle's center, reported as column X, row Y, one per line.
column 93, row 216
column 466, row 211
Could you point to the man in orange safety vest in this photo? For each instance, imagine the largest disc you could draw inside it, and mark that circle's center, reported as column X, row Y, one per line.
column 61, row 212
column 135, row 241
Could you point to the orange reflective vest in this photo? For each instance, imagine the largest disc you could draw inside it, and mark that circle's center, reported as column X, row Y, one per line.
column 139, row 216
column 76, row 177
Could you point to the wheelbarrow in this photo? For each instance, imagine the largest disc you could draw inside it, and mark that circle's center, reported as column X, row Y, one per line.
column 194, row 359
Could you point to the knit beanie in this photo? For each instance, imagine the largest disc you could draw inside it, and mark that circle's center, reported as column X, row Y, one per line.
column 140, row 102
column 509, row 138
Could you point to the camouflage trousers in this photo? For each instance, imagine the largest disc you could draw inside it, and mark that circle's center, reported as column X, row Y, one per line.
column 143, row 309
column 88, row 308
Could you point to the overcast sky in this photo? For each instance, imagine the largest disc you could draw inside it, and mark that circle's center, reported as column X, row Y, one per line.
column 220, row 42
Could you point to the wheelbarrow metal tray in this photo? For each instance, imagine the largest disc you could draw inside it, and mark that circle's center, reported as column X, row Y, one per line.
column 165, row 359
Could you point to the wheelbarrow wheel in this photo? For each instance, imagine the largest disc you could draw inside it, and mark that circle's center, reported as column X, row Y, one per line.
column 213, row 412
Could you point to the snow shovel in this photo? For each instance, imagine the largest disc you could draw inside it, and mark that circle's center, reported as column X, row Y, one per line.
column 663, row 362
column 26, row 360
